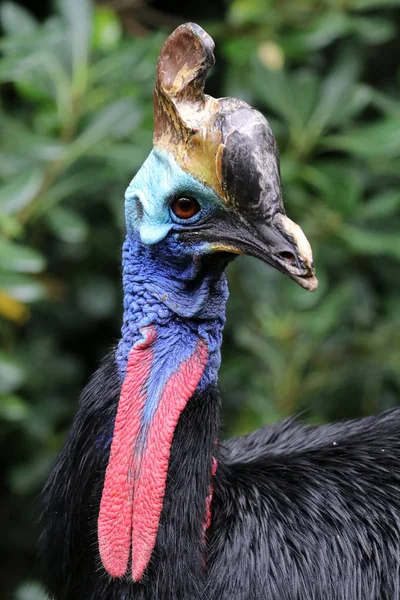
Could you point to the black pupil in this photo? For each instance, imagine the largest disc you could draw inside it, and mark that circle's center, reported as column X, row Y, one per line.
column 186, row 205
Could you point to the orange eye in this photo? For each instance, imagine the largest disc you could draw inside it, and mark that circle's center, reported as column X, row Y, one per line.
column 185, row 208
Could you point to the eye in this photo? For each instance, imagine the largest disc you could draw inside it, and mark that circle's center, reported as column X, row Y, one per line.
column 185, row 208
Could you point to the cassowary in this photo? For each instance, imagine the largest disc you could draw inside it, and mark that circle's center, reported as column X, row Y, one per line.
column 143, row 503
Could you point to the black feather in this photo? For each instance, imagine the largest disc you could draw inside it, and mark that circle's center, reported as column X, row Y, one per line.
column 299, row 512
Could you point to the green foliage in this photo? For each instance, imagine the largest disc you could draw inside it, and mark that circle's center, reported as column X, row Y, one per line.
column 337, row 353
column 75, row 124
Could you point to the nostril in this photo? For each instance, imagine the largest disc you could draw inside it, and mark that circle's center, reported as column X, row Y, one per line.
column 288, row 257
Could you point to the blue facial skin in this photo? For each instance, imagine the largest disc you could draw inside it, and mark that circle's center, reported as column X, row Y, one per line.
column 149, row 195
column 179, row 288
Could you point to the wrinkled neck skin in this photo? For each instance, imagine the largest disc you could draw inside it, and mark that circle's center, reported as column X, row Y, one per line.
column 182, row 294
column 156, row 496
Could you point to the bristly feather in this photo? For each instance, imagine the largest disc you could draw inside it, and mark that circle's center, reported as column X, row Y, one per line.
column 309, row 512
column 298, row 512
column 72, row 495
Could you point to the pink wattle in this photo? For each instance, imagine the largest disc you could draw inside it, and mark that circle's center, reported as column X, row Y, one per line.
column 135, row 480
column 115, row 517
column 150, row 487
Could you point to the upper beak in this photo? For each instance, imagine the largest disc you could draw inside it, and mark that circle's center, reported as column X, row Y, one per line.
column 280, row 243
column 283, row 245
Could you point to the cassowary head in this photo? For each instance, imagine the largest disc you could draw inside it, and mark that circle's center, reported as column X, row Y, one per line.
column 212, row 179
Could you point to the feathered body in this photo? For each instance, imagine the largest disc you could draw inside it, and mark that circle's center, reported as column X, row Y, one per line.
column 143, row 502
column 298, row 512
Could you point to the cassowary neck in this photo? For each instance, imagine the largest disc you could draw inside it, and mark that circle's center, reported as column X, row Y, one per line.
column 176, row 292
column 166, row 425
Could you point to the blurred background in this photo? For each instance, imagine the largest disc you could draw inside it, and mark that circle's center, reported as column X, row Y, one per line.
column 76, row 123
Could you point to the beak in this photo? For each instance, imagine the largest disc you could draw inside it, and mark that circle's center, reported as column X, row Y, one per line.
column 281, row 243
column 284, row 246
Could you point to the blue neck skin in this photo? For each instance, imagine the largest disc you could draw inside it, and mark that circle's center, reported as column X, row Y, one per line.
column 182, row 294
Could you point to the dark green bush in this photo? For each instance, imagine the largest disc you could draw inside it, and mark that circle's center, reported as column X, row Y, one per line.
column 75, row 124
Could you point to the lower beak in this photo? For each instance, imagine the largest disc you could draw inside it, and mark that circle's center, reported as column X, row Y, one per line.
column 282, row 244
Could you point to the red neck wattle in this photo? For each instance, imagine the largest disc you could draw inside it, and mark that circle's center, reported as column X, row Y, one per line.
column 136, row 475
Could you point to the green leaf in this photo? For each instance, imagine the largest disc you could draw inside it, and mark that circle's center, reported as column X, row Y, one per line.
column 10, row 226
column 11, row 374
column 328, row 315
column 130, row 62
column 305, row 85
column 13, row 409
column 114, row 121
column 326, row 29
column 81, row 182
column 371, row 4
column 335, row 90
column 22, row 287
column 339, row 185
column 78, row 16
column 383, row 102
column 20, row 190
column 381, row 206
column 122, row 157
column 107, row 30
column 14, row 257
column 16, row 20
column 21, row 146
column 246, row 11
column 67, row 225
column 379, row 165
column 274, row 88
column 331, row 26
column 358, row 99
column 371, row 243
column 49, row 37
column 38, row 76
column 381, row 139
column 374, row 30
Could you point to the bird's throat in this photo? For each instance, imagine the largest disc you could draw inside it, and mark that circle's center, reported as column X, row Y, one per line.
column 164, row 357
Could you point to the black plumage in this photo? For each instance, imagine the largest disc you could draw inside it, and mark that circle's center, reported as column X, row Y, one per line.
column 299, row 512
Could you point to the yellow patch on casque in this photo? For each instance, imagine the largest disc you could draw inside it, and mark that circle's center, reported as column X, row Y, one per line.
column 195, row 142
column 220, row 247
column 187, row 122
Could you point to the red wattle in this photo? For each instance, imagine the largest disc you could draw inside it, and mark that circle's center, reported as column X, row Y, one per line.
column 115, row 517
column 135, row 479
column 150, row 486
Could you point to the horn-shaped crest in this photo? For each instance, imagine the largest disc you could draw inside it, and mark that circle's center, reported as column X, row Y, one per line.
column 224, row 143
column 183, row 115
column 182, row 67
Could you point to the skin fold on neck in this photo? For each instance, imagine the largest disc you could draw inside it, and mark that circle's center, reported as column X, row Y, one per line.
column 174, row 312
column 180, row 293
